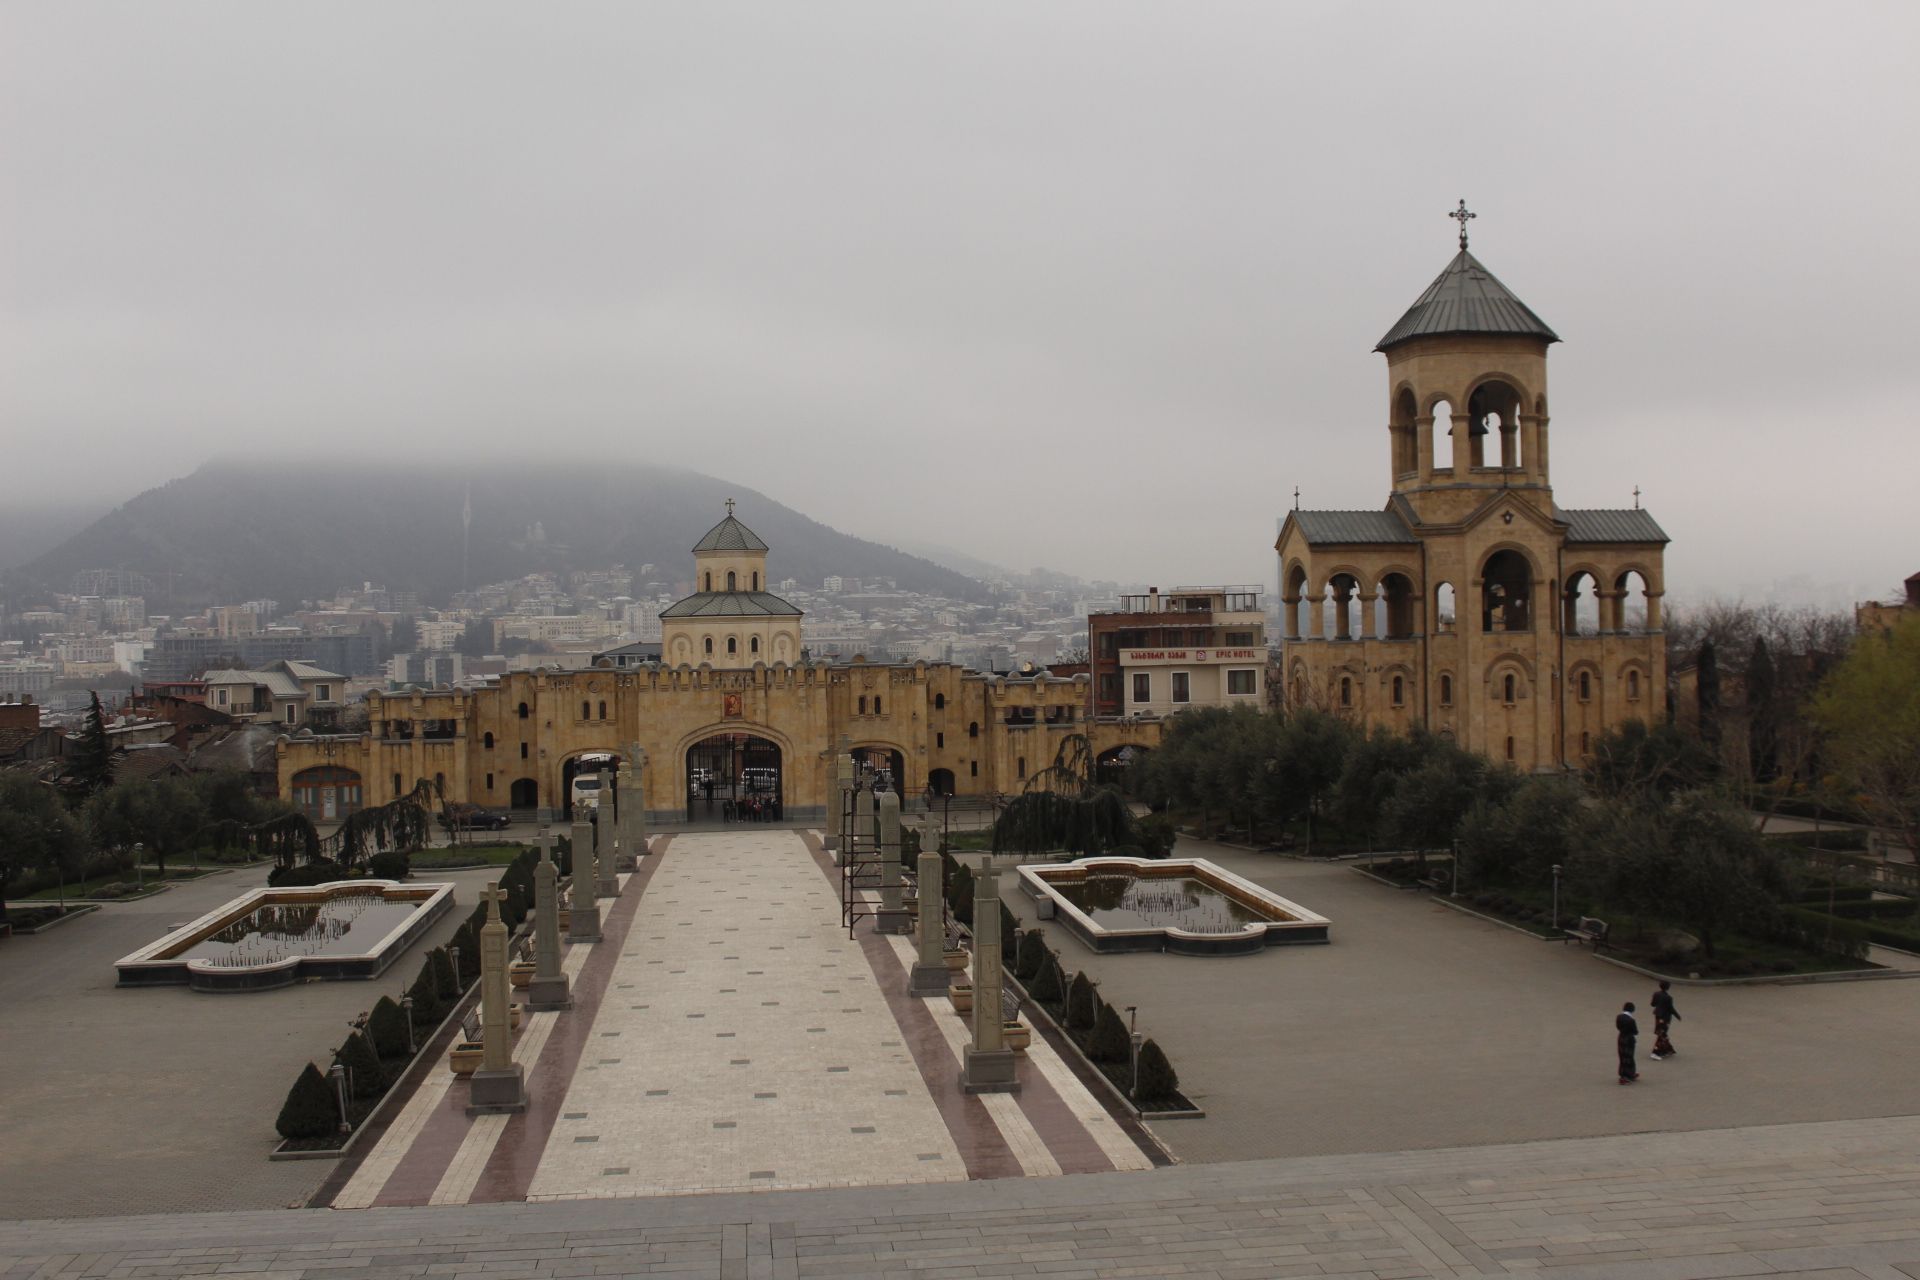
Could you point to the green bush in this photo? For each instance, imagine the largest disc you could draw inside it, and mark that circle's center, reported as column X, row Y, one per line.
column 366, row 1078
column 1818, row 933
column 1155, row 834
column 389, row 864
column 319, row 871
column 1819, row 893
column 962, row 896
column 387, row 1029
column 1033, row 954
column 446, row 983
column 1156, row 1081
column 311, row 1109
column 1009, row 938
column 1110, row 1041
column 425, row 991
column 1046, row 987
column 1080, row 1003
column 467, row 938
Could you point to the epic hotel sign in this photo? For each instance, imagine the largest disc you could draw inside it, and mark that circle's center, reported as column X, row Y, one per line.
column 1188, row 657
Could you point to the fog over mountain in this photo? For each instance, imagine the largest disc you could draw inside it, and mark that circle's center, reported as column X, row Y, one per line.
column 237, row 530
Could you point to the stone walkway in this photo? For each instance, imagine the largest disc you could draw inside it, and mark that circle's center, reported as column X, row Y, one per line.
column 728, row 1035
column 1833, row 1201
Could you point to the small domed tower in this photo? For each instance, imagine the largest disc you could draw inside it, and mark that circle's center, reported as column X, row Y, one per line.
column 731, row 619
column 1467, row 392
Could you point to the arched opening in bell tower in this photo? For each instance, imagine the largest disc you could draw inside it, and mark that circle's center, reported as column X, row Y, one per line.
column 1506, row 590
column 1494, row 413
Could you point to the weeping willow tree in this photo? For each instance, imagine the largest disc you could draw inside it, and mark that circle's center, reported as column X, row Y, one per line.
column 403, row 824
column 287, row 838
column 1062, row 807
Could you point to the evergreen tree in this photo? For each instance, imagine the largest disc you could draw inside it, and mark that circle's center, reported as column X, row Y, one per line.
column 1707, row 692
column 1080, row 1003
column 91, row 766
column 1009, row 938
column 1110, row 1041
column 1762, row 715
column 387, row 1029
column 311, row 1109
column 366, row 1078
column 1156, row 1081
column 1047, row 988
column 1033, row 954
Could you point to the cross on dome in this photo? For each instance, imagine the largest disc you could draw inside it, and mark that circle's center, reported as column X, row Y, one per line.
column 729, row 506
column 1460, row 216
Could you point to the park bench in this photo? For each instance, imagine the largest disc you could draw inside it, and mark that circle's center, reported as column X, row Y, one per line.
column 1588, row 929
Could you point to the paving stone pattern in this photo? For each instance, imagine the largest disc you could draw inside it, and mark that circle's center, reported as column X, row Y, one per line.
column 1830, row 1200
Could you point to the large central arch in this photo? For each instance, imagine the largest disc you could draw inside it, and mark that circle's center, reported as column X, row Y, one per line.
column 733, row 766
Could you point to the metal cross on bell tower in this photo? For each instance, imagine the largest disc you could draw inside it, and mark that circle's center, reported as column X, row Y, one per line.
column 1461, row 216
column 729, row 506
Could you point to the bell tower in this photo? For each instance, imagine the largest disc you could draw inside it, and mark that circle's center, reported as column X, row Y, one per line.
column 1467, row 392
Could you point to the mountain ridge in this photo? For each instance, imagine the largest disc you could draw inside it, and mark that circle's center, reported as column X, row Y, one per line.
column 236, row 530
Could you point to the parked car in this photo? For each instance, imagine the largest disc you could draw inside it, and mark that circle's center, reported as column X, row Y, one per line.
column 471, row 817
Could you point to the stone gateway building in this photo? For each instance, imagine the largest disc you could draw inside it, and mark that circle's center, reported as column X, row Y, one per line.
column 1473, row 604
column 735, row 706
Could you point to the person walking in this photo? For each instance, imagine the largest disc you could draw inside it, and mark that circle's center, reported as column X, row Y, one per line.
column 1664, row 1016
column 1628, row 1031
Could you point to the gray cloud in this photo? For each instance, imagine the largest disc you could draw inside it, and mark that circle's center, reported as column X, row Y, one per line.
column 1091, row 285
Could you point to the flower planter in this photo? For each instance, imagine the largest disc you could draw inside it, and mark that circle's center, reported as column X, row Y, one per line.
column 520, row 973
column 515, row 1016
column 962, row 998
column 1018, row 1035
column 566, row 919
column 957, row 961
column 465, row 1057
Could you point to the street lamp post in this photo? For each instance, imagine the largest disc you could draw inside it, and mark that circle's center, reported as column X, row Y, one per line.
column 1556, row 895
column 453, row 954
column 406, row 1003
column 139, row 873
column 339, row 1074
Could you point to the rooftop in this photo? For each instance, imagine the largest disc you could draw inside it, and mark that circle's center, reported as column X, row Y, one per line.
column 1466, row 298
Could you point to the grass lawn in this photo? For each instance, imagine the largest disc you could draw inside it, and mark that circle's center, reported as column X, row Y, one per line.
column 466, row 855
column 965, row 841
column 85, row 888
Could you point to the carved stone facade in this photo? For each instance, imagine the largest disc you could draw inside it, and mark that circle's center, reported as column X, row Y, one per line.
column 1473, row 604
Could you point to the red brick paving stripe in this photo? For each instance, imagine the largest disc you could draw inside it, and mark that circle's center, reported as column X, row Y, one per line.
column 982, row 1146
column 516, row 1157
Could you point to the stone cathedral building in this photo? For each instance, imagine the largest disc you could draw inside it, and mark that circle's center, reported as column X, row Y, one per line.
column 1472, row 603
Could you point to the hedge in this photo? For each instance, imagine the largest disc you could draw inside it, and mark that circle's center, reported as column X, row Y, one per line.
column 366, row 1078
column 1819, row 932
column 311, row 1109
column 1032, row 955
column 1110, row 1041
column 1080, row 1003
column 1156, row 1080
column 387, row 1029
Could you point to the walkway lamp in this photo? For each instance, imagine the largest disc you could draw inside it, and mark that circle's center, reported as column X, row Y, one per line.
column 1556, row 895
column 406, row 1004
column 453, row 956
column 139, row 872
column 339, row 1076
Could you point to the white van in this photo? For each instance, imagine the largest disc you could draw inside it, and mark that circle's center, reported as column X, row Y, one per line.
column 760, row 780
column 586, row 794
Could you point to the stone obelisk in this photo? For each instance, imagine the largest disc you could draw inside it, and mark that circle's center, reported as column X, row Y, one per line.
column 585, row 926
column 606, row 883
column 549, row 988
column 989, row 1064
column 892, row 916
column 930, row 973
column 498, row 1085
column 842, row 785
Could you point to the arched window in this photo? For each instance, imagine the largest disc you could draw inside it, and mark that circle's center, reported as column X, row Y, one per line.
column 753, row 645
column 709, row 646
column 603, row 709
column 523, row 751
column 730, row 585
column 973, row 729
column 489, row 782
column 1509, row 747
column 523, row 711
column 863, row 704
column 1406, row 456
column 733, row 645
column 876, row 704
column 486, row 740
column 1583, row 744
column 939, row 740
column 709, row 584
column 1346, row 691
column 396, row 786
column 440, row 784
column 1399, row 692
column 1443, row 437
column 1446, row 690
column 1495, row 407
column 586, row 711
column 973, row 768
column 1633, row 684
column 1443, row 608
column 756, row 579
column 1021, row 763
column 1507, row 689
column 939, row 702
column 1505, row 589
column 1586, row 687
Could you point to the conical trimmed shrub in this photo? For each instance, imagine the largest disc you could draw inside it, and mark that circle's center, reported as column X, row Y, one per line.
column 1080, row 1004
column 311, row 1110
column 1033, row 954
column 1110, row 1042
column 445, row 981
column 426, row 997
column 1009, row 937
column 1046, row 987
column 365, row 1077
column 387, row 1029
column 1157, row 1081
column 962, row 895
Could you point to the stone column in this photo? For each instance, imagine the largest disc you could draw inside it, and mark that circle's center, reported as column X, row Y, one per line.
column 638, row 824
column 988, row 1063
column 842, row 786
column 930, row 972
column 892, row 916
column 831, row 842
column 605, row 882
column 623, row 818
column 498, row 1085
column 549, row 988
column 1369, row 607
column 586, row 912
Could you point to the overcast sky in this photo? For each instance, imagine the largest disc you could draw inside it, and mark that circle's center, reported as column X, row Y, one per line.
column 1084, row 285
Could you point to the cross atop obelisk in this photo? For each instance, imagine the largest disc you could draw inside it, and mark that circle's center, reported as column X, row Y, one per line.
column 493, row 895
column 1461, row 215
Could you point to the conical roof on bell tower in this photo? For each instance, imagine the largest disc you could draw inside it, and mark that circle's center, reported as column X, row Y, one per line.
column 1467, row 299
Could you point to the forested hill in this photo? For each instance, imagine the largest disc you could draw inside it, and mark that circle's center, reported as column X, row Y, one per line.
column 293, row 531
